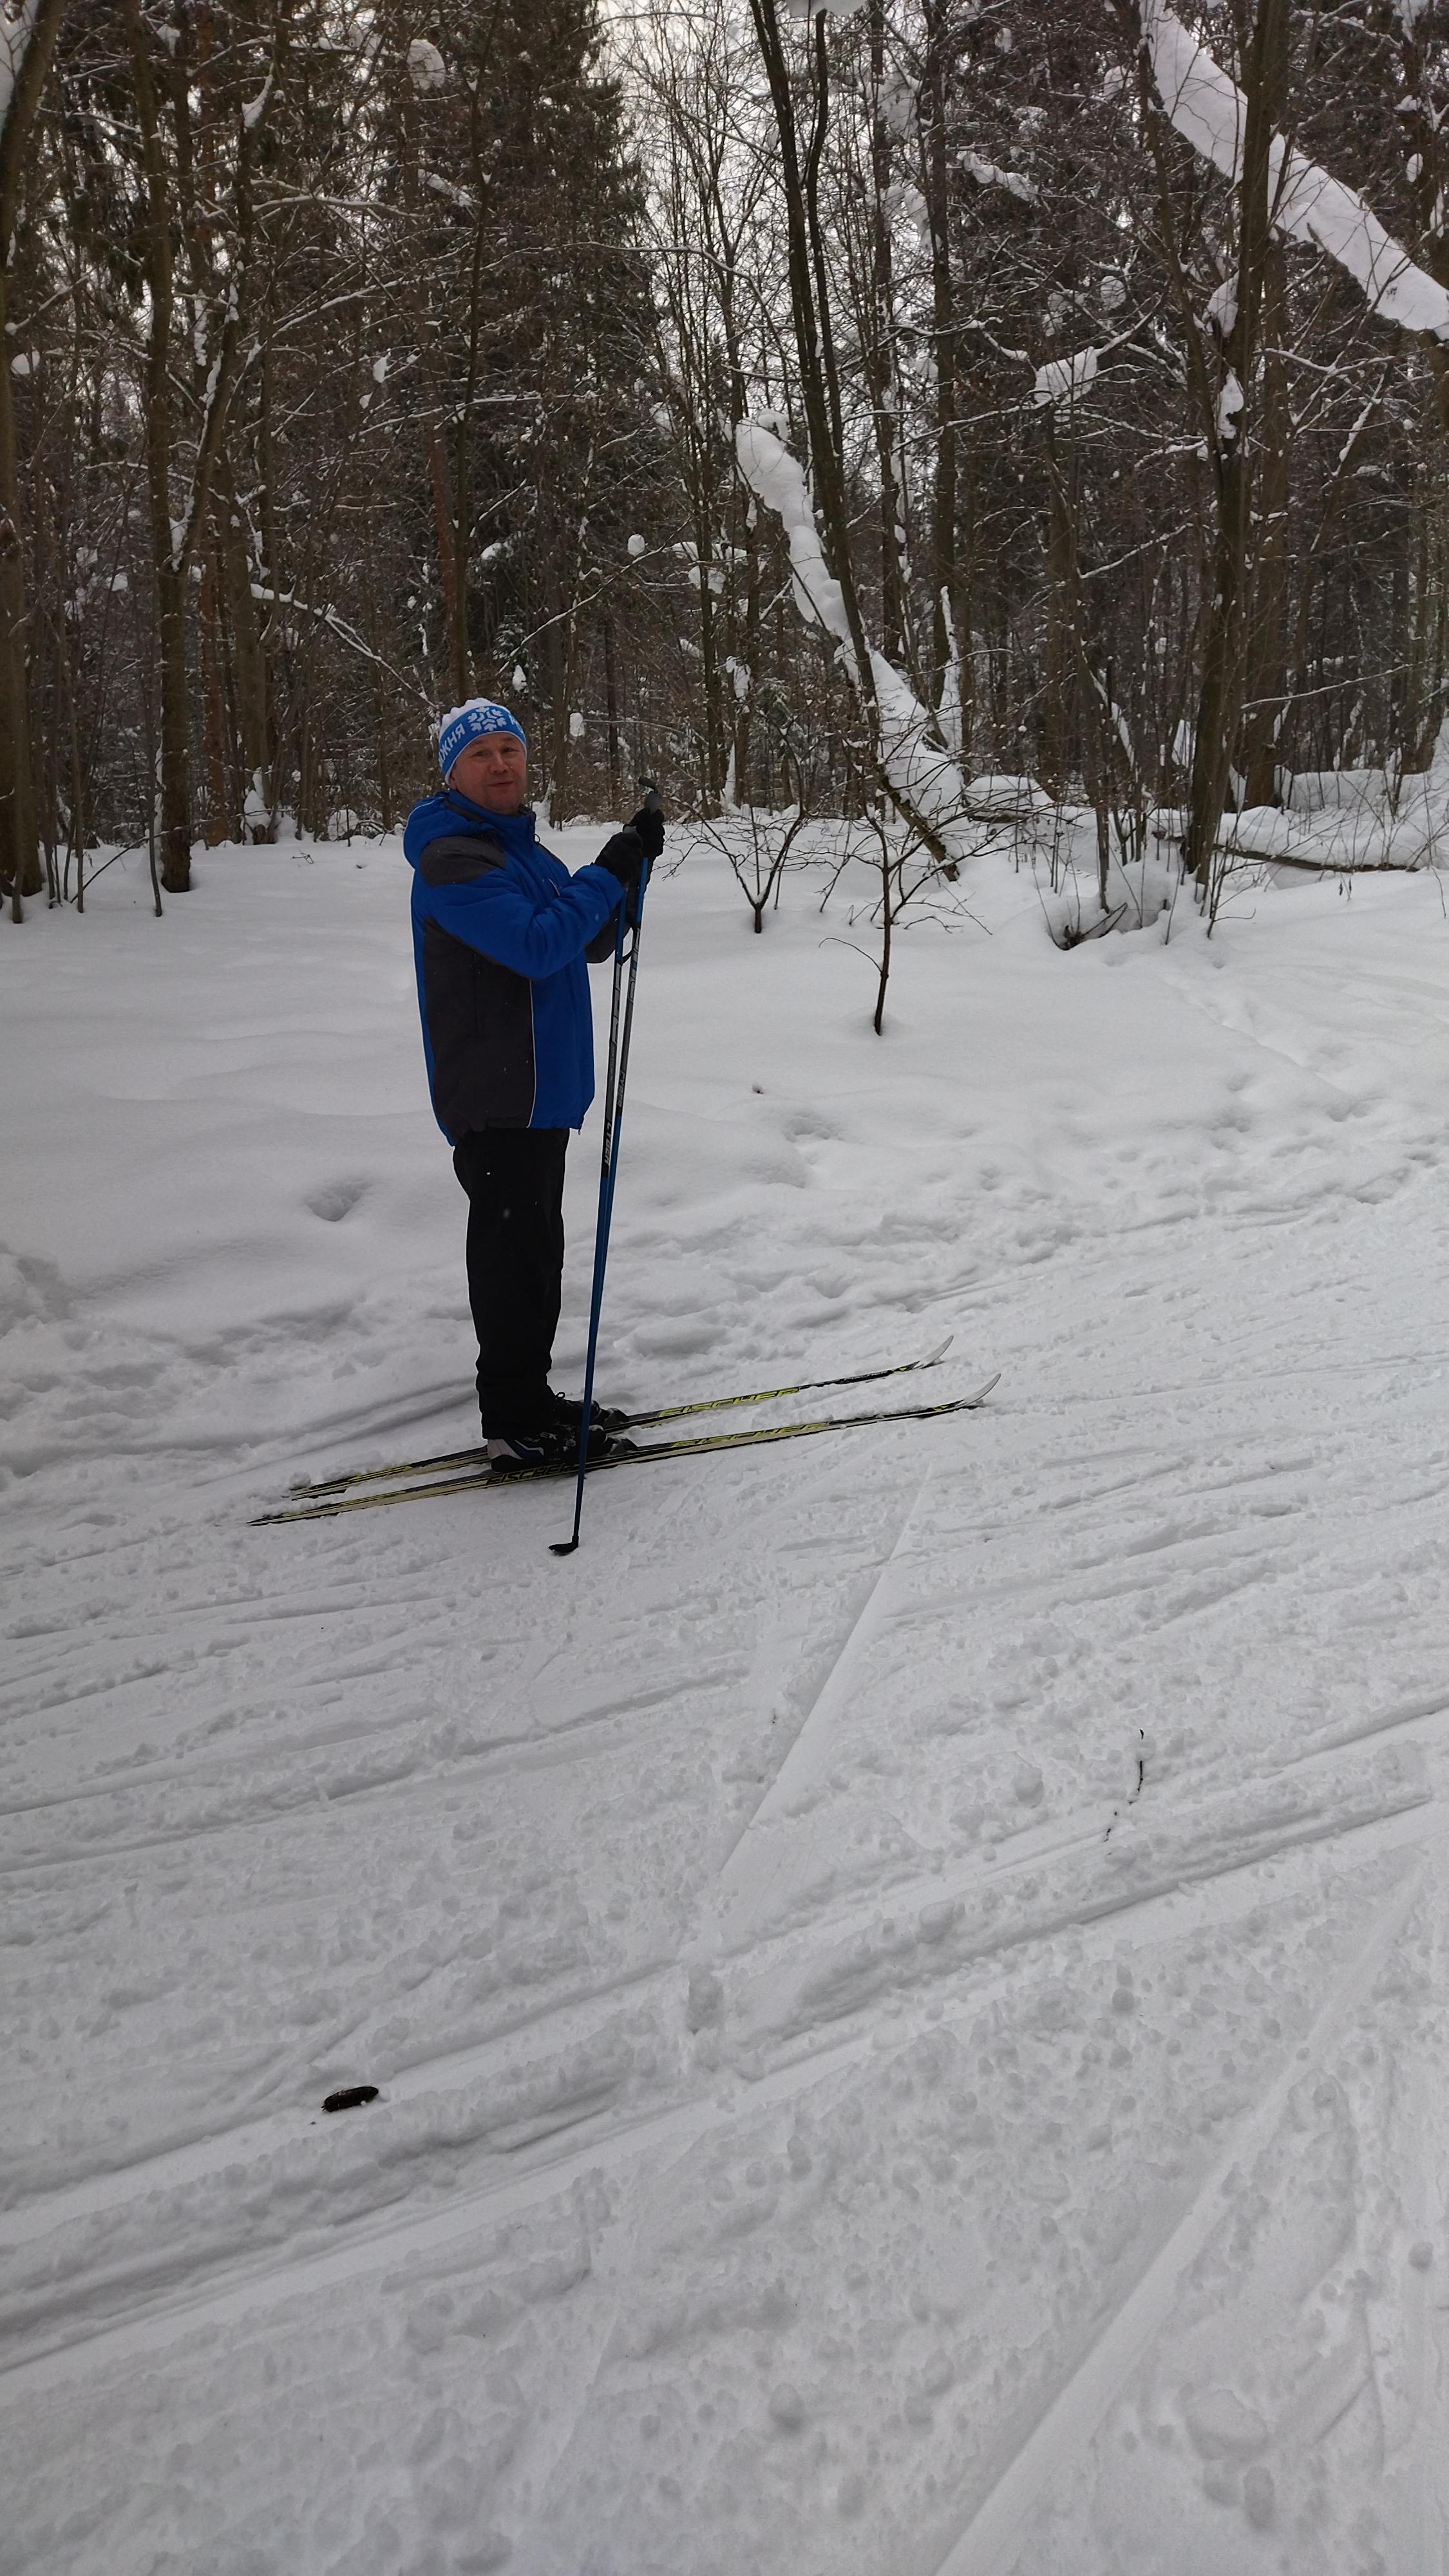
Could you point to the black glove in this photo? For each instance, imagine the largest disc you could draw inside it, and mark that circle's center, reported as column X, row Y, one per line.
column 649, row 824
column 624, row 858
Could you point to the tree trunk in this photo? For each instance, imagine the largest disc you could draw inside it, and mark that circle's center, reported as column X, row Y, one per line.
column 611, row 712
column 1220, row 694
column 218, row 803
column 448, row 568
column 1267, row 640
column 175, row 727
column 709, row 670
column 807, row 273
column 249, row 664
column 880, row 358
column 743, row 518
column 819, row 386
column 20, row 870
column 1059, row 726
column 944, row 347
column 169, row 578
column 558, row 714
column 19, row 857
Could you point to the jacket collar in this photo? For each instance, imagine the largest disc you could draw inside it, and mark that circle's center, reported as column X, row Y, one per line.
column 515, row 831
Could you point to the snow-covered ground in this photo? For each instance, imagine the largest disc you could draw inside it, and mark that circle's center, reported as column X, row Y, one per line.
column 907, row 1979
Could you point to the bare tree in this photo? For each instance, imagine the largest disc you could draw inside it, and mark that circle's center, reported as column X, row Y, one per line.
column 212, row 301
column 362, row 354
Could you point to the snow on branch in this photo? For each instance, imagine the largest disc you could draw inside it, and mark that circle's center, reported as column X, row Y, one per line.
column 337, row 626
column 254, row 109
column 448, row 188
column 1064, row 380
column 916, row 766
column 775, row 478
column 989, row 174
column 1210, row 112
column 426, row 67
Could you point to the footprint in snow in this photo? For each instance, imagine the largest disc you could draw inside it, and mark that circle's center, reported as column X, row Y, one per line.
column 334, row 1199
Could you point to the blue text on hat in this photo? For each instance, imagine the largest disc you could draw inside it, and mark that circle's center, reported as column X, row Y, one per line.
column 462, row 725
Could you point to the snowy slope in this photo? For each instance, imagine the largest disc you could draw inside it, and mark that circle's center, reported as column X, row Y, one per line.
column 907, row 1980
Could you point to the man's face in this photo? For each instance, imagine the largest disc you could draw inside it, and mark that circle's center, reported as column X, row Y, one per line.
column 492, row 771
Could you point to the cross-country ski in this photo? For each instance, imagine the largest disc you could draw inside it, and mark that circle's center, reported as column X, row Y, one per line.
column 328, row 1501
column 621, row 1422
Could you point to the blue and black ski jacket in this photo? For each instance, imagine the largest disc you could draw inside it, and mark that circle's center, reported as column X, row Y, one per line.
column 500, row 935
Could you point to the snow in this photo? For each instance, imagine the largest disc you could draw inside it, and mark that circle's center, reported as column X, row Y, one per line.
column 778, row 479
column 1229, row 411
column 999, row 792
column 1209, row 111
column 989, row 174
column 1221, row 308
column 907, row 1980
column 1352, row 819
column 449, row 189
column 254, row 109
column 912, row 756
column 1064, row 380
column 426, row 67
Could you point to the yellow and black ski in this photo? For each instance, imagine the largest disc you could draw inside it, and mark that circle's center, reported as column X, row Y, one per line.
column 622, row 1422
column 324, row 1505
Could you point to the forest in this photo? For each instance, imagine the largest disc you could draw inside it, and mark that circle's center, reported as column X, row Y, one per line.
column 891, row 411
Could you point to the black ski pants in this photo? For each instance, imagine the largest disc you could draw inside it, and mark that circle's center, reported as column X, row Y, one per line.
column 514, row 1178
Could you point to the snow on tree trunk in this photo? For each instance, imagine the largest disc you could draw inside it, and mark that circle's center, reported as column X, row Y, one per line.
column 923, row 773
column 1210, row 112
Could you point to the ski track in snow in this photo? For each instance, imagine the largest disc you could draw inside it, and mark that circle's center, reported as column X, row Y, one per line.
column 1078, row 2407
column 835, row 2108
column 96, row 2208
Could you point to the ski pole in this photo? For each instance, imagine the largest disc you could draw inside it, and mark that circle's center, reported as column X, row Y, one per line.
column 608, row 1173
column 614, row 1102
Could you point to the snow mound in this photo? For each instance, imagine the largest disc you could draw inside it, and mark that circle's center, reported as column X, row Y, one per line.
column 997, row 793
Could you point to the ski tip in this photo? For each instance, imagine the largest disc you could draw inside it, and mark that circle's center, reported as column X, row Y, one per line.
column 563, row 1546
column 938, row 1353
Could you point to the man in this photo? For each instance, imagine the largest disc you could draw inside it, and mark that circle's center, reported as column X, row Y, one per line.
column 500, row 935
